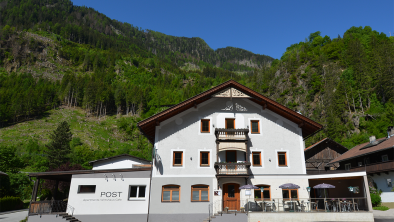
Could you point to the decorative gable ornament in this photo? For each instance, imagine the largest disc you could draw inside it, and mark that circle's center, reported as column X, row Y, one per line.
column 231, row 93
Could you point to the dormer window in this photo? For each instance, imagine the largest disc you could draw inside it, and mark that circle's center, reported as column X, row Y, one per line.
column 385, row 158
column 205, row 125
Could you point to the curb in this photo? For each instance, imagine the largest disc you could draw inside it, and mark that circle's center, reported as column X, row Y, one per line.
column 13, row 211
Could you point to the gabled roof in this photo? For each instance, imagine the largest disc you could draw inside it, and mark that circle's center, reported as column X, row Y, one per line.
column 121, row 155
column 148, row 126
column 327, row 140
column 362, row 149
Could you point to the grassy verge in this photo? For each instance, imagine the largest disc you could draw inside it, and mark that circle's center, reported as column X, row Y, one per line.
column 382, row 208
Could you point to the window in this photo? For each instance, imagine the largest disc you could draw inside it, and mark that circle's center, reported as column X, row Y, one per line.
column 290, row 193
column 347, row 166
column 385, row 158
column 171, row 193
column 205, row 126
column 136, row 192
column 255, row 126
column 256, row 158
column 360, row 163
column 200, row 193
column 266, row 192
column 282, row 159
column 230, row 123
column 204, row 158
column 86, row 188
column 178, row 158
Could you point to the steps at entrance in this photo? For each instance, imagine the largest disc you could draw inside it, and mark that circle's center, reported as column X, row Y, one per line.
column 69, row 217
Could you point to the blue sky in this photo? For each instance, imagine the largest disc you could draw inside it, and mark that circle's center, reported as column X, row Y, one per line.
column 262, row 27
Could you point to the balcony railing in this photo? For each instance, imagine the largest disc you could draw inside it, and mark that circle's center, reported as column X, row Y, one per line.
column 50, row 206
column 231, row 134
column 232, row 168
column 375, row 167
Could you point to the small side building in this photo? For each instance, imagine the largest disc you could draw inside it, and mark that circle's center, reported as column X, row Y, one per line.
column 376, row 157
column 318, row 155
column 116, row 189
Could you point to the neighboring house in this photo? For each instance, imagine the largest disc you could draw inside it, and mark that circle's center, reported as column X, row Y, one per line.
column 116, row 189
column 376, row 157
column 209, row 145
column 318, row 155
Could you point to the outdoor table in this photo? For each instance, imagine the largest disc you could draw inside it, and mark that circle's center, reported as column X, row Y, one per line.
column 308, row 205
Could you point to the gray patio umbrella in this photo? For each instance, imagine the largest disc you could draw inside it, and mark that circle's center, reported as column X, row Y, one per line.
column 324, row 186
column 248, row 186
column 289, row 186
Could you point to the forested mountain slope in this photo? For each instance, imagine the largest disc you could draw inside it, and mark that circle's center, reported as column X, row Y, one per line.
column 59, row 63
column 87, row 26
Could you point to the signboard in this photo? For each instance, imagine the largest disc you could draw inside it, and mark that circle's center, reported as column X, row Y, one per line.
column 216, row 192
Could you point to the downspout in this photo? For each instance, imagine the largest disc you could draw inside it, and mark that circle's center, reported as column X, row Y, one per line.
column 150, row 186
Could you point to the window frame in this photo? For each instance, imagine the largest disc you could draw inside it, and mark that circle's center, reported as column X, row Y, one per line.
column 209, row 126
column 259, row 152
column 280, row 153
column 79, row 189
column 173, row 159
column 199, row 189
column 385, row 155
column 265, row 186
column 209, row 159
column 346, row 166
column 163, row 188
column 290, row 198
column 258, row 127
column 138, row 192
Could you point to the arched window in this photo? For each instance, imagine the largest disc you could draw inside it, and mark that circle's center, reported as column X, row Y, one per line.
column 200, row 193
column 171, row 193
column 266, row 194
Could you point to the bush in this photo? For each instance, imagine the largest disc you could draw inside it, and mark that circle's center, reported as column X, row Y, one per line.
column 375, row 199
column 10, row 203
column 382, row 208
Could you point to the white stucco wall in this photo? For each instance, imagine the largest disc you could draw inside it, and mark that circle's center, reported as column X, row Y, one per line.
column 182, row 133
column 387, row 197
column 122, row 162
column 100, row 203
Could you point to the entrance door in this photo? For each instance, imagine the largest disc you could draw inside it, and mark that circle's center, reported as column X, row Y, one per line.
column 231, row 196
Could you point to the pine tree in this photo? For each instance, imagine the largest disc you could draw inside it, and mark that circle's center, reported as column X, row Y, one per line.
column 58, row 149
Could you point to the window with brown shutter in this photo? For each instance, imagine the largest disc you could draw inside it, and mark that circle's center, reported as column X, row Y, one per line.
column 178, row 158
column 205, row 125
column 204, row 158
column 282, row 159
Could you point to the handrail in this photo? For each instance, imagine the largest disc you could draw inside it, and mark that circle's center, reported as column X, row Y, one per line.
column 232, row 168
column 50, row 206
column 232, row 164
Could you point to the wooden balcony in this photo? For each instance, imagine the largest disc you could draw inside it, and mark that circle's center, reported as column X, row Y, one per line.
column 231, row 134
column 232, row 169
column 376, row 167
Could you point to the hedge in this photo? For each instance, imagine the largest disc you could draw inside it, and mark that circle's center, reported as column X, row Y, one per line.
column 10, row 203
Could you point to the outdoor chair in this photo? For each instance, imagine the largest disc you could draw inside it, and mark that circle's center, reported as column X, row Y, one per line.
column 285, row 204
column 273, row 205
column 269, row 205
column 300, row 206
column 315, row 204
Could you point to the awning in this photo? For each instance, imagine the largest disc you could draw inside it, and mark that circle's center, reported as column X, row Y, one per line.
column 241, row 146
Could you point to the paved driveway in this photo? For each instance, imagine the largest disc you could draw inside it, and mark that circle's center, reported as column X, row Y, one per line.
column 382, row 216
column 13, row 217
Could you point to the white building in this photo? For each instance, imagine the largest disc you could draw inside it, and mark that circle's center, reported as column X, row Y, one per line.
column 209, row 145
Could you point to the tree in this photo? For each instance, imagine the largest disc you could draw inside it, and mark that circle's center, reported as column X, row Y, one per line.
column 58, row 149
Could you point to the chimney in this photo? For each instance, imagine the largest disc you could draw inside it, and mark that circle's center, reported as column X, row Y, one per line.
column 372, row 139
column 390, row 131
